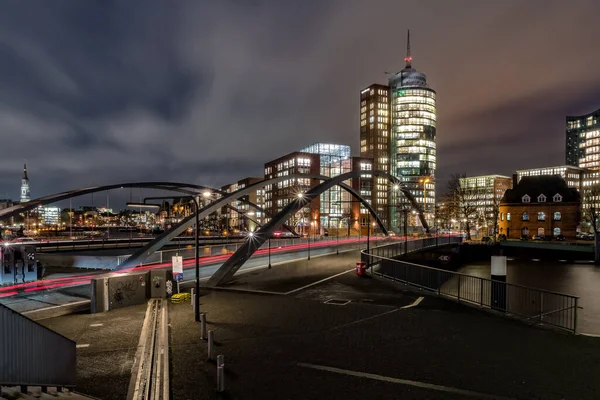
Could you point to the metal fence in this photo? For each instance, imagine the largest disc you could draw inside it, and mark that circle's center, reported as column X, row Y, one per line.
column 532, row 305
column 229, row 248
column 33, row 355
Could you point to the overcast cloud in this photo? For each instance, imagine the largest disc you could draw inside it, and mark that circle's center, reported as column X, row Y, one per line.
column 206, row 92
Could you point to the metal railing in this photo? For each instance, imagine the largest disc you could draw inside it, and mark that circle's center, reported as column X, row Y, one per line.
column 532, row 305
column 187, row 252
column 33, row 355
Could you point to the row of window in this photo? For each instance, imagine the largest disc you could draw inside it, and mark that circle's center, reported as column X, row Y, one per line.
column 541, row 216
column 541, row 198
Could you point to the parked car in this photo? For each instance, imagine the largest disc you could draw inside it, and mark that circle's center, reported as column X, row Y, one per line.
column 524, row 237
column 560, row 238
column 502, row 236
column 590, row 236
column 486, row 239
column 539, row 237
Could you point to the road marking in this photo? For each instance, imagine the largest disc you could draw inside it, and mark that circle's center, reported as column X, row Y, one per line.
column 415, row 303
column 79, row 346
column 407, row 382
column 242, row 290
column 589, row 334
column 318, row 282
column 95, row 325
column 358, row 321
column 53, row 307
column 337, row 302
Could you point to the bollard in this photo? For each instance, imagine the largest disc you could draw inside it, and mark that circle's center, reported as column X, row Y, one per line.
column 220, row 373
column 193, row 302
column 203, row 325
column 211, row 344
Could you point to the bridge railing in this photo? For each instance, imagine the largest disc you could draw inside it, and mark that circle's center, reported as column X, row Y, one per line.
column 33, row 355
column 535, row 306
column 225, row 249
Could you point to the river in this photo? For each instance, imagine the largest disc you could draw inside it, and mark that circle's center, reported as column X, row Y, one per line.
column 581, row 280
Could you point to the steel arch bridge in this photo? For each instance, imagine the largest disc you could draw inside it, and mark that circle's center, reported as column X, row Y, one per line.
column 171, row 186
column 244, row 252
column 140, row 255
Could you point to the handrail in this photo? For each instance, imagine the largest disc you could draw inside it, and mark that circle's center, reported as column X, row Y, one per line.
column 527, row 304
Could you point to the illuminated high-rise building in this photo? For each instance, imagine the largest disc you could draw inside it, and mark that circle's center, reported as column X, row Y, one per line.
column 25, row 195
column 375, row 141
column 583, row 140
column 413, row 132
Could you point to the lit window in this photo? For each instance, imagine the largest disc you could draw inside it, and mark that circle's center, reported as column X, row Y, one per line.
column 526, row 199
column 525, row 216
column 557, row 216
column 508, row 216
column 541, row 216
column 541, row 198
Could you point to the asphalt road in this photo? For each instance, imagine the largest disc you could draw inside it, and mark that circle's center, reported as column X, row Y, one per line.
column 338, row 336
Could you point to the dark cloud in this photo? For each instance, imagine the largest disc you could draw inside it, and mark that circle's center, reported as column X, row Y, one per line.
column 96, row 92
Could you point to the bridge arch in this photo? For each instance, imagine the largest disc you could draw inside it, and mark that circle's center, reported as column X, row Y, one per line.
column 247, row 249
column 171, row 186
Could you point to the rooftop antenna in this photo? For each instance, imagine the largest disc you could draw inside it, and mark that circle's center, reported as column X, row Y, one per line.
column 408, row 58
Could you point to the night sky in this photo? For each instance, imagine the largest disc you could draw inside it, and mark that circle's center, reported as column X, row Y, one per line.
column 95, row 92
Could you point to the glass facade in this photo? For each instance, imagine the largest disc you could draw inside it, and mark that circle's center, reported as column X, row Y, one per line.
column 583, row 140
column 413, row 130
column 375, row 142
column 334, row 160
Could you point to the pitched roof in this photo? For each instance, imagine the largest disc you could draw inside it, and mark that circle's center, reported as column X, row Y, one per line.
column 548, row 185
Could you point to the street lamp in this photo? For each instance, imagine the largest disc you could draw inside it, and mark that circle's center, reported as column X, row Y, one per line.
column 424, row 182
column 197, row 252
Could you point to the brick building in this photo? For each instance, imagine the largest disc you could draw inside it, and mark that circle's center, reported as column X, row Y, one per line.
column 540, row 205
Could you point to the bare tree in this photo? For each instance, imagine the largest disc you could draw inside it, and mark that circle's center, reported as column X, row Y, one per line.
column 465, row 209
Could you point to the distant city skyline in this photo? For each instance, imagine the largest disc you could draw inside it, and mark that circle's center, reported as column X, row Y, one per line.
column 225, row 87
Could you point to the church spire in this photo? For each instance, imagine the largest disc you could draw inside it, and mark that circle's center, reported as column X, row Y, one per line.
column 25, row 171
column 408, row 57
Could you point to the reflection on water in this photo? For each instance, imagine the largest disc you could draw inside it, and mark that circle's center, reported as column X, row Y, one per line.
column 581, row 280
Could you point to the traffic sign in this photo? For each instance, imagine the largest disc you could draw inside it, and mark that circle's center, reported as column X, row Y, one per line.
column 177, row 268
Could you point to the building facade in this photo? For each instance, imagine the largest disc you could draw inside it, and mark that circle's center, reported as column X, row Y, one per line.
column 413, row 133
column 574, row 176
column 376, row 142
column 49, row 216
column 335, row 211
column 240, row 215
column 583, row 140
column 484, row 194
column 279, row 195
column 541, row 205
column 25, row 193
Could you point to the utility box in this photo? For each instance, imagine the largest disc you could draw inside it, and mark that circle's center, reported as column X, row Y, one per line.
column 18, row 264
column 161, row 283
column 113, row 292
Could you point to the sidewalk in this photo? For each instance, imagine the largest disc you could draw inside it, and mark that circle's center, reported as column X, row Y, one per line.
column 285, row 347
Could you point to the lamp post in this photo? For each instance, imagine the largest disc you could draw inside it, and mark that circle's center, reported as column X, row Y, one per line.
column 196, row 242
column 424, row 182
column 269, row 252
column 368, row 233
column 337, row 238
column 451, row 227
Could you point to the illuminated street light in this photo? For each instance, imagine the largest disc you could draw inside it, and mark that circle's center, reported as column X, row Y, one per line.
column 300, row 195
column 207, row 194
column 396, row 187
